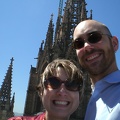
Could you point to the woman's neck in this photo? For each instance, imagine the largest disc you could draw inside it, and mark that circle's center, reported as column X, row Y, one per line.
column 51, row 117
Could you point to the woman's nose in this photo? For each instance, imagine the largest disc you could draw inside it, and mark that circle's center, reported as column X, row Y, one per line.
column 62, row 90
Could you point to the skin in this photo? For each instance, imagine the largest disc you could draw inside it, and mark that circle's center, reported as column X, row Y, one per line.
column 99, row 58
column 68, row 101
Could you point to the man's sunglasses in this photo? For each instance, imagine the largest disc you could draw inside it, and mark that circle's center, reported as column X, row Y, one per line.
column 93, row 37
column 55, row 83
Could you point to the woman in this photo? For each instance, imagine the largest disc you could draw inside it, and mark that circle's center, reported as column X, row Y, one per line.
column 59, row 89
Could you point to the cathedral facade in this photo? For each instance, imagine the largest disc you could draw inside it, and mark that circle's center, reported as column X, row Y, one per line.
column 58, row 45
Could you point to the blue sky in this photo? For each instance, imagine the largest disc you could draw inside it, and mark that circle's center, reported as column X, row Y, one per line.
column 23, row 25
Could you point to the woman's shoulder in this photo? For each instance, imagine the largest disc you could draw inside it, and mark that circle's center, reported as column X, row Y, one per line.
column 36, row 117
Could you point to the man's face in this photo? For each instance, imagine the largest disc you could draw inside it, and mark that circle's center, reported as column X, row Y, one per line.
column 95, row 57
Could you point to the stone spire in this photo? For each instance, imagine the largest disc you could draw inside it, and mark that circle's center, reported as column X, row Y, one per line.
column 6, row 104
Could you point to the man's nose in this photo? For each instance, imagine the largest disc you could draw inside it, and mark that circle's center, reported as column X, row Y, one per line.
column 88, row 46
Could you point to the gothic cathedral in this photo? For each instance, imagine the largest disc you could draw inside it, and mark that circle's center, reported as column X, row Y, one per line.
column 6, row 103
column 58, row 45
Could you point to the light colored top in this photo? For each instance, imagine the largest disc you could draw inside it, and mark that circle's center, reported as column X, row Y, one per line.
column 105, row 101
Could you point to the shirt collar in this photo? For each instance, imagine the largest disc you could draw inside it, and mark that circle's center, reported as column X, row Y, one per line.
column 114, row 77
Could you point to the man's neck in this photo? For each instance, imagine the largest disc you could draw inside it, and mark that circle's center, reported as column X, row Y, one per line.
column 98, row 77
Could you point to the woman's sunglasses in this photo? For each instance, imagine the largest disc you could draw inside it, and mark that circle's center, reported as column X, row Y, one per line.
column 55, row 83
column 93, row 37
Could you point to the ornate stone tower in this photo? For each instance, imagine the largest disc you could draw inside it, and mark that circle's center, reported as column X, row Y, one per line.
column 58, row 45
column 6, row 103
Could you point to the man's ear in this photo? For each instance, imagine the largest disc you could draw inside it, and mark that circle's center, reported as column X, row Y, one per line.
column 115, row 43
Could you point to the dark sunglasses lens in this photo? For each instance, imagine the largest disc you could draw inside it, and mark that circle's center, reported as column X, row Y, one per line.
column 53, row 82
column 77, row 44
column 94, row 37
column 72, row 86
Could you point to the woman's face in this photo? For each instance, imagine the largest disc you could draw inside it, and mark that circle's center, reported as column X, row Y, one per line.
column 60, row 102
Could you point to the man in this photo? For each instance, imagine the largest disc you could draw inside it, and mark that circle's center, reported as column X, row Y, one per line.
column 95, row 48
